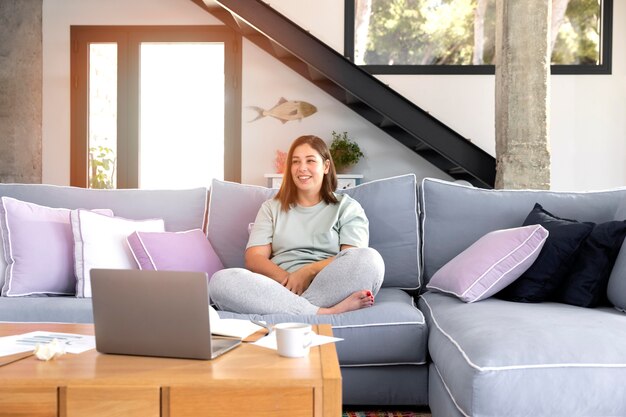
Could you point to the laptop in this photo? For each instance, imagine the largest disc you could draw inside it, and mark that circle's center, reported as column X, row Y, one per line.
column 154, row 313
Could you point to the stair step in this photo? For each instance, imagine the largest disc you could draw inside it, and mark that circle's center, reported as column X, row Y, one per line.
column 333, row 89
column 225, row 16
column 279, row 51
column 367, row 112
column 386, row 122
column 456, row 171
column 315, row 75
column 437, row 159
column 297, row 65
column 351, row 98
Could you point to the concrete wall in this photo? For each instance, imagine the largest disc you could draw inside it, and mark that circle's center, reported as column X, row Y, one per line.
column 20, row 91
column 588, row 126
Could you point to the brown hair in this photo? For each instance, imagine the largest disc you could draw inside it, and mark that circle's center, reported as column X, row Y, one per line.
column 288, row 191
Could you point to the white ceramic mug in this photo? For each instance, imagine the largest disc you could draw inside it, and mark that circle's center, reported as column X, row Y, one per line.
column 293, row 339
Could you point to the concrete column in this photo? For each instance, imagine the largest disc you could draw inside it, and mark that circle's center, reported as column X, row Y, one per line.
column 522, row 94
column 20, row 90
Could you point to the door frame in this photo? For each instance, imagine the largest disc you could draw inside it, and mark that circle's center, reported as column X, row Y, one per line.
column 128, row 40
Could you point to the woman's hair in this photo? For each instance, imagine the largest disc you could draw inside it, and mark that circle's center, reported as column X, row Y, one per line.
column 288, row 191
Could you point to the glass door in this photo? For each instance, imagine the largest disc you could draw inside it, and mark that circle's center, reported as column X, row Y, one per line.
column 155, row 107
column 181, row 128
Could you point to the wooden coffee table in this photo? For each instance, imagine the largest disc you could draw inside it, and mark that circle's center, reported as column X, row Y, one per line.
column 248, row 381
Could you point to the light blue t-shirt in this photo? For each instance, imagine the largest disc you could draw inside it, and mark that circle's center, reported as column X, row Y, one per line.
column 304, row 235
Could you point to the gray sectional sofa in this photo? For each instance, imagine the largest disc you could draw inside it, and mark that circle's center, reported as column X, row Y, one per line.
column 414, row 347
column 501, row 358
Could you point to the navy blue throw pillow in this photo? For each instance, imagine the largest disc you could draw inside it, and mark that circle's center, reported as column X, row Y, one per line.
column 587, row 281
column 540, row 282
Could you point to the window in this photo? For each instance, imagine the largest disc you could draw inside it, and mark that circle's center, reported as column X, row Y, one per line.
column 154, row 107
column 458, row 36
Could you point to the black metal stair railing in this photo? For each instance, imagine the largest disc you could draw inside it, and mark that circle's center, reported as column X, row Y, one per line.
column 357, row 89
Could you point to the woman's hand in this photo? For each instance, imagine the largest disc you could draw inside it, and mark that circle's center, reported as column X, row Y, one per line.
column 298, row 281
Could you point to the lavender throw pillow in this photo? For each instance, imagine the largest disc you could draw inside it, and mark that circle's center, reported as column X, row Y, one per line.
column 174, row 251
column 38, row 248
column 490, row 264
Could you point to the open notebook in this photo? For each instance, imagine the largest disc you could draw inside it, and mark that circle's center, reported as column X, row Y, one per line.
column 240, row 329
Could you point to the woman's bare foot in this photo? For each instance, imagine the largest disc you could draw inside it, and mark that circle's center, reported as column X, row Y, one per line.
column 355, row 301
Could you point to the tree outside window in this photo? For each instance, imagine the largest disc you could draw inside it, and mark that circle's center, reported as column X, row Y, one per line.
column 462, row 32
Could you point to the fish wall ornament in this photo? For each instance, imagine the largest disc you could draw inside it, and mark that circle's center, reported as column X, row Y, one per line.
column 286, row 110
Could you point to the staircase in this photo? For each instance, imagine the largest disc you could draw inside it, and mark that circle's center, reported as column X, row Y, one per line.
column 357, row 89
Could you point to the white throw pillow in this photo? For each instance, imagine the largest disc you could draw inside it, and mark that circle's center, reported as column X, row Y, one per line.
column 3, row 263
column 100, row 242
column 39, row 248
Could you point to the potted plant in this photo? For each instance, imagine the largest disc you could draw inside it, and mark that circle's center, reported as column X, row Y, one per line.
column 344, row 151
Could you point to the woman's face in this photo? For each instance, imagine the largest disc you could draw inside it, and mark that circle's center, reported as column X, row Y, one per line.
column 308, row 169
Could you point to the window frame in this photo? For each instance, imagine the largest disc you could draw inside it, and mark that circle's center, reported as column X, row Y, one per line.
column 606, row 46
column 128, row 40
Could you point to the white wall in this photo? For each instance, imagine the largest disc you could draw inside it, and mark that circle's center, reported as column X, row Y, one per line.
column 265, row 81
column 588, row 123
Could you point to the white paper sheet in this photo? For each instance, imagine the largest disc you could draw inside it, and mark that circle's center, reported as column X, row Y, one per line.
column 269, row 341
column 25, row 342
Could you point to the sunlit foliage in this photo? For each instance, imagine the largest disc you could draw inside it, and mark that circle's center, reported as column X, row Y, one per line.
column 441, row 32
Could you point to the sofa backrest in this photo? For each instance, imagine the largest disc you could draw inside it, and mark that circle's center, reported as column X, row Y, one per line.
column 454, row 216
column 180, row 209
column 390, row 205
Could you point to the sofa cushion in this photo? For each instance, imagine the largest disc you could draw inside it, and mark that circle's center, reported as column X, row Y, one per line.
column 174, row 251
column 390, row 205
column 616, row 291
column 232, row 207
column 180, row 209
column 490, row 264
column 542, row 279
column 454, row 216
column 392, row 332
column 38, row 248
column 558, row 360
column 60, row 309
column 391, row 208
column 100, row 242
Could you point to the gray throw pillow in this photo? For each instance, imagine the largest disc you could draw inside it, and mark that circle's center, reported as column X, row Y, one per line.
column 232, row 207
column 616, row 291
column 390, row 205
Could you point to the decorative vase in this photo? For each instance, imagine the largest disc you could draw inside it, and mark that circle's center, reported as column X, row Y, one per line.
column 344, row 169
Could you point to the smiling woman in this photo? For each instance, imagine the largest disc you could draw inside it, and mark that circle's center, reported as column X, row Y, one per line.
column 308, row 248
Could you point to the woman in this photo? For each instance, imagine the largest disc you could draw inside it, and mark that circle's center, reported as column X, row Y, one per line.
column 307, row 252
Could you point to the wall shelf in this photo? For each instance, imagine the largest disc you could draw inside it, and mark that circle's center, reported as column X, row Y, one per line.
column 343, row 180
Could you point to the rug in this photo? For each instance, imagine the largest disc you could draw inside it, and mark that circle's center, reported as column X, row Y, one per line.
column 384, row 413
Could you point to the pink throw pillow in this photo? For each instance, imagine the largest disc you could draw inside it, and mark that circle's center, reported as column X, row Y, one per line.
column 490, row 264
column 174, row 251
column 38, row 248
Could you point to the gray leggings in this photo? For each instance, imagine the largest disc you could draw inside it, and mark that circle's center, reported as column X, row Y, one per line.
column 242, row 291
